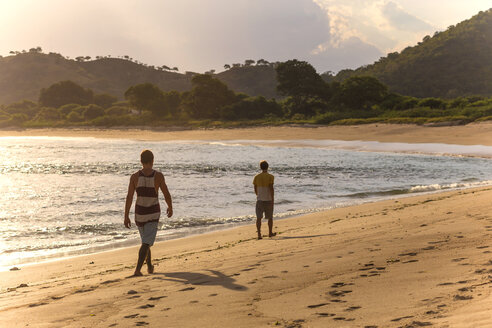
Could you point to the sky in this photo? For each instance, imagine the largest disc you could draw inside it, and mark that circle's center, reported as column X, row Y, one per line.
column 199, row 35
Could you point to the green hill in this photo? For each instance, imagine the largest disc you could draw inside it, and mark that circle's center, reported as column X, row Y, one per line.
column 22, row 76
column 456, row 62
column 259, row 80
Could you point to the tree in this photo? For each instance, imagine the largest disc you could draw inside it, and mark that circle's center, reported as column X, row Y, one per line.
column 361, row 92
column 207, row 96
column 172, row 101
column 47, row 114
column 145, row 97
column 92, row 111
column 104, row 100
column 299, row 80
column 65, row 92
column 227, row 66
column 249, row 62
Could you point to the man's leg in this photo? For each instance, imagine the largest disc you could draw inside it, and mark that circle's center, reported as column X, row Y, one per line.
column 258, row 227
column 269, row 216
column 142, row 255
column 150, row 267
column 259, row 216
column 270, row 228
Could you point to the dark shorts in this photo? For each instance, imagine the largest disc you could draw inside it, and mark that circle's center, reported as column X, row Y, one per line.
column 264, row 207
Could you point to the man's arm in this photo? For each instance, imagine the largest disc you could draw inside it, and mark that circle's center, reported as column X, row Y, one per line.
column 129, row 201
column 256, row 190
column 270, row 187
column 167, row 196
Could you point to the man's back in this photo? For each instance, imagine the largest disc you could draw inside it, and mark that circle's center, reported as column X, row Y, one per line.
column 263, row 183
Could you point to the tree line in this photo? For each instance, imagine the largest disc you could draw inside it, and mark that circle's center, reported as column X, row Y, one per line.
column 306, row 98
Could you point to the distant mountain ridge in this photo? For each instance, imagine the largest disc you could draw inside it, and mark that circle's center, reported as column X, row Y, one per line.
column 456, row 62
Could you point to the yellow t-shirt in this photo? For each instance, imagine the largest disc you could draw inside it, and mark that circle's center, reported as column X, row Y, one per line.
column 263, row 181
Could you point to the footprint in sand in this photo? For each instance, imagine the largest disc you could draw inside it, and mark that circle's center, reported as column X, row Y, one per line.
column 37, row 304
column 186, row 289
column 341, row 284
column 352, row 308
column 339, row 293
column 146, row 306
column 462, row 297
column 156, row 298
column 402, row 318
column 57, row 297
column 410, row 261
column 338, row 301
column 131, row 316
column 141, row 323
column 409, row 254
column 248, row 269
column 324, row 314
column 212, row 295
column 317, row 305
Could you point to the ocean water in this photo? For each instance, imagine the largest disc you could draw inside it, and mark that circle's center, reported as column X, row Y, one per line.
column 63, row 196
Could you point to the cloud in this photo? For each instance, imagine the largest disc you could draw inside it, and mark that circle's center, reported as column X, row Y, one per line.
column 349, row 53
column 381, row 23
column 199, row 35
column 401, row 20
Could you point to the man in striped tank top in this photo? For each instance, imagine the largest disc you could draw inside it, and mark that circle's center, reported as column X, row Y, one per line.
column 146, row 183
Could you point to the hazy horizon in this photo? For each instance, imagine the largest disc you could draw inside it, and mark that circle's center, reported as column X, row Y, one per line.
column 330, row 34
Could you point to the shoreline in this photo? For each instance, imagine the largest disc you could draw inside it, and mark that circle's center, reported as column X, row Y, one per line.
column 419, row 259
column 203, row 230
column 471, row 134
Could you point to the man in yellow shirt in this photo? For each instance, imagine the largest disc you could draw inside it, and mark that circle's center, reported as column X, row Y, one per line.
column 263, row 183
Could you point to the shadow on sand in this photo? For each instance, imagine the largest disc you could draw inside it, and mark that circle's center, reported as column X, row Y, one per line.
column 216, row 278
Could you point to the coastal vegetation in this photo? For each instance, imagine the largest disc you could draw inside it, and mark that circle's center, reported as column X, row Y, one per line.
column 306, row 98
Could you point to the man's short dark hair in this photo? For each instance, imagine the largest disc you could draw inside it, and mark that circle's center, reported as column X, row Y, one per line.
column 146, row 157
column 264, row 165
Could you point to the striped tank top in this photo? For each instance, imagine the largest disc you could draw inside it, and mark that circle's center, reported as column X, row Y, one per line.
column 147, row 207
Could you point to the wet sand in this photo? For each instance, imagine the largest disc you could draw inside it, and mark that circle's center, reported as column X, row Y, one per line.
column 471, row 134
column 412, row 262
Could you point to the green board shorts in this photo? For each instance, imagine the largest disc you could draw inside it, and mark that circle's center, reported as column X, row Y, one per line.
column 264, row 207
column 148, row 233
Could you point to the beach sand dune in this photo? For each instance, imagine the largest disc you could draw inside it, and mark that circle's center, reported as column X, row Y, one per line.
column 409, row 262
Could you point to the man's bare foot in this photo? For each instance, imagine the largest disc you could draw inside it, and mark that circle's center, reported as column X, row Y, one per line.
column 150, row 269
column 273, row 234
column 260, row 237
column 137, row 274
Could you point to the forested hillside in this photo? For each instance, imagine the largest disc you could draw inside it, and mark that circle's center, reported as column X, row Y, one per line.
column 24, row 74
column 456, row 62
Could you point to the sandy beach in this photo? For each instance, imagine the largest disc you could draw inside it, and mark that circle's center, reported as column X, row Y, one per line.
column 471, row 134
column 412, row 262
